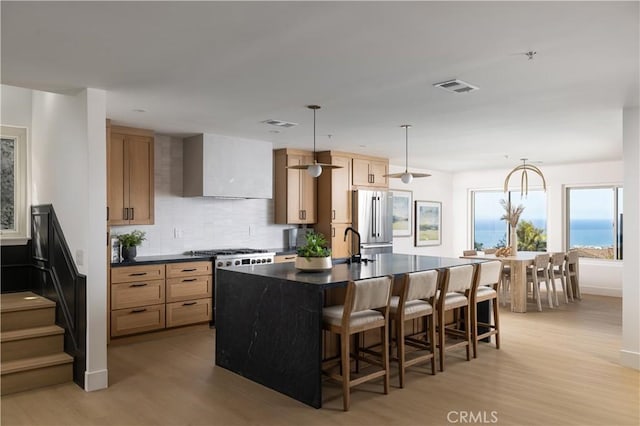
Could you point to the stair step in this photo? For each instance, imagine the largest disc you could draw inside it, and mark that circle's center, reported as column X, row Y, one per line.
column 31, row 342
column 22, row 301
column 31, row 373
column 26, row 310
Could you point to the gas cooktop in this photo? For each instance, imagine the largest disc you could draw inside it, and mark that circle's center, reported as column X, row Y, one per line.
column 226, row 252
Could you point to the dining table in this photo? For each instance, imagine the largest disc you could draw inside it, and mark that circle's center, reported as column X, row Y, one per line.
column 518, row 275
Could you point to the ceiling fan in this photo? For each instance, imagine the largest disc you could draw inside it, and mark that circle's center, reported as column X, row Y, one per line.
column 406, row 176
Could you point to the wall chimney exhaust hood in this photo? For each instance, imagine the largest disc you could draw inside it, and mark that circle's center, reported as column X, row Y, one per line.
column 227, row 167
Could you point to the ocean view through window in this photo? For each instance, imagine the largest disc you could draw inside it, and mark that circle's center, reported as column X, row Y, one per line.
column 594, row 221
column 489, row 231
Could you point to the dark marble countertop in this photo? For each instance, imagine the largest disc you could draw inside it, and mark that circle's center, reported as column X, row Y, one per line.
column 382, row 264
column 165, row 258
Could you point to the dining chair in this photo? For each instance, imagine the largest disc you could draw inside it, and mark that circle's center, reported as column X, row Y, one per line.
column 572, row 272
column 469, row 252
column 490, row 251
column 537, row 273
column 485, row 288
column 454, row 294
column 416, row 301
column 366, row 307
column 556, row 270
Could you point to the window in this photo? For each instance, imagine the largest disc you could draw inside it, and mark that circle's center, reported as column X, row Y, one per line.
column 13, row 187
column 594, row 221
column 490, row 231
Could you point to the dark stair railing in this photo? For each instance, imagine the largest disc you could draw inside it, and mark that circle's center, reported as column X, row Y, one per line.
column 45, row 266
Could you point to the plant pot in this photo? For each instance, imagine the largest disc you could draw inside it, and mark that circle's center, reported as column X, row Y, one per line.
column 129, row 253
column 313, row 264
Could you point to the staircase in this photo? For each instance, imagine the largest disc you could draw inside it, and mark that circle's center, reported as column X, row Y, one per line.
column 32, row 353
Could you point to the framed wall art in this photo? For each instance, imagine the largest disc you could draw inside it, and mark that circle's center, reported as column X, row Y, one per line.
column 402, row 223
column 428, row 219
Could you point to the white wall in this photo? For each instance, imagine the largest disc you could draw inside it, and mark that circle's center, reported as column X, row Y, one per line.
column 437, row 187
column 596, row 276
column 15, row 106
column 201, row 222
column 68, row 170
column 630, row 353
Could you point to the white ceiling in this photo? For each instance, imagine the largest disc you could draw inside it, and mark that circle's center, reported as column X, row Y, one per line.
column 225, row 67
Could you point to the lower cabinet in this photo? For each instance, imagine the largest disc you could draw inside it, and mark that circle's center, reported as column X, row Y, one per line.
column 140, row 305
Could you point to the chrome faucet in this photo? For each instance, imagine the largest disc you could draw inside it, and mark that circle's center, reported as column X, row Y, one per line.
column 355, row 258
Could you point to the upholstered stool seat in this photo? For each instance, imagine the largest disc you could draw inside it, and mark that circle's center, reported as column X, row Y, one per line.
column 333, row 315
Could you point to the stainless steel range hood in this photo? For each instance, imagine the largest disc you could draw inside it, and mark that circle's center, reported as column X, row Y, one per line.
column 227, row 167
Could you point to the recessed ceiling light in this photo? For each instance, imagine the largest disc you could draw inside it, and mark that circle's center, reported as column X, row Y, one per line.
column 139, row 110
column 279, row 123
column 456, row 86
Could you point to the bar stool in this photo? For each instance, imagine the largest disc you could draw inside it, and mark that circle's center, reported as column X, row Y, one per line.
column 573, row 274
column 485, row 288
column 454, row 294
column 556, row 270
column 537, row 273
column 416, row 300
column 366, row 307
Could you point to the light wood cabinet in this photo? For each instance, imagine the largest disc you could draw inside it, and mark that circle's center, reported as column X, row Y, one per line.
column 130, row 182
column 370, row 172
column 143, row 300
column 334, row 201
column 285, row 258
column 295, row 190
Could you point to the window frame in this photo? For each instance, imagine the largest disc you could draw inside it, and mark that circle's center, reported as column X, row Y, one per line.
column 614, row 187
column 20, row 234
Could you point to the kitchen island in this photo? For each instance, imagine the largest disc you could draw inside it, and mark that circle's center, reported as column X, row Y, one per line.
column 269, row 318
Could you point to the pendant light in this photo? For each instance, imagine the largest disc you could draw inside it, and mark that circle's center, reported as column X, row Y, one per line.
column 405, row 176
column 524, row 178
column 314, row 169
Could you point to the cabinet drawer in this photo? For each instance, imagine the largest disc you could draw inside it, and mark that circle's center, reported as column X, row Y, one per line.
column 188, row 288
column 137, row 320
column 130, row 295
column 188, row 269
column 283, row 258
column 188, row 312
column 128, row 274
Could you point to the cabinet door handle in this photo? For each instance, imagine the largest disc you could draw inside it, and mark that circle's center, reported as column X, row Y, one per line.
column 333, row 214
column 125, row 213
column 189, row 280
column 138, row 285
column 189, row 270
column 333, row 232
column 107, row 212
column 132, row 213
column 189, row 303
column 290, row 257
column 137, row 274
column 137, row 311
column 300, row 214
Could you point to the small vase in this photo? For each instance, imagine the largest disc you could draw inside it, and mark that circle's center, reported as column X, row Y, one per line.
column 514, row 241
column 129, row 253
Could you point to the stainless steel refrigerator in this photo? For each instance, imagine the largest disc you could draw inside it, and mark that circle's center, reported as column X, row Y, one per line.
column 372, row 216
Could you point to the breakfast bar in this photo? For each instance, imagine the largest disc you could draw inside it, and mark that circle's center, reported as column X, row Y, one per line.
column 269, row 318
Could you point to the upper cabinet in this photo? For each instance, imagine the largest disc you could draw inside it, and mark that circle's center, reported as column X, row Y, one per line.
column 130, row 191
column 370, row 172
column 334, row 189
column 295, row 190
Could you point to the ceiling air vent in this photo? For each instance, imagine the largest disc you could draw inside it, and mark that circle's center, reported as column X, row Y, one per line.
column 280, row 123
column 456, row 86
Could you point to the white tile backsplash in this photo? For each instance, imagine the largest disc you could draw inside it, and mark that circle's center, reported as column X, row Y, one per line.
column 203, row 222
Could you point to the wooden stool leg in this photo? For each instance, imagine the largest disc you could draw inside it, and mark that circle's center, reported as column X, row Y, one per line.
column 356, row 351
column 432, row 341
column 385, row 356
column 474, row 335
column 496, row 321
column 344, row 353
column 441, row 339
column 467, row 330
column 401, row 348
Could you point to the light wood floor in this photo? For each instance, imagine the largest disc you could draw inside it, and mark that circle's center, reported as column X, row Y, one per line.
column 556, row 367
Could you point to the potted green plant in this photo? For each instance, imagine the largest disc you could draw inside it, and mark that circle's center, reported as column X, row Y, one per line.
column 129, row 242
column 314, row 255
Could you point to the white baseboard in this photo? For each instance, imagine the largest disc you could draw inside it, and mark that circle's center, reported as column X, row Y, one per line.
column 630, row 359
column 601, row 291
column 96, row 380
